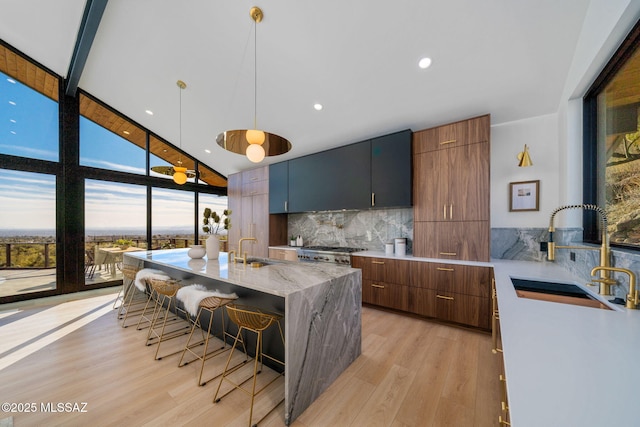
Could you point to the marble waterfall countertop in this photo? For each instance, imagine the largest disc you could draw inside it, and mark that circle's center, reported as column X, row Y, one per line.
column 280, row 278
column 322, row 312
column 565, row 365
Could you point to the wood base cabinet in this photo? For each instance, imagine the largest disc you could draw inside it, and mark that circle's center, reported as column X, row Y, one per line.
column 384, row 281
column 450, row 292
column 384, row 294
column 283, row 254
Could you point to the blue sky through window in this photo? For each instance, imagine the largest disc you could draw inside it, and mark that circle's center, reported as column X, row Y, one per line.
column 28, row 121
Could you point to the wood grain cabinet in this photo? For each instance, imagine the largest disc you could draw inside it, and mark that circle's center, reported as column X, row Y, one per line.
column 248, row 195
column 451, row 188
column 450, row 292
column 384, row 281
column 283, row 254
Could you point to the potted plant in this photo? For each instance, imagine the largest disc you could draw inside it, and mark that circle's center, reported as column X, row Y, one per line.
column 213, row 224
column 123, row 243
column 292, row 240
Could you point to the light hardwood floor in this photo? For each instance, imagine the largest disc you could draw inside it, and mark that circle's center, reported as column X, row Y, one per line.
column 412, row 372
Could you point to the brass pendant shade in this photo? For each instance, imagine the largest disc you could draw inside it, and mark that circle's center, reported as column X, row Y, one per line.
column 524, row 158
column 236, row 142
column 256, row 144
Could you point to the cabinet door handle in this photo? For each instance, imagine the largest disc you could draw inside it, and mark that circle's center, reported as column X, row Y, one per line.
column 286, row 206
column 450, row 211
column 444, row 269
column 448, row 253
column 373, row 199
column 373, row 285
column 450, row 141
column 444, row 211
column 444, row 297
column 503, row 422
column 377, row 262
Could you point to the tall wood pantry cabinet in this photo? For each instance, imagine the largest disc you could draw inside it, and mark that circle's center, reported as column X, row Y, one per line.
column 451, row 191
column 248, row 197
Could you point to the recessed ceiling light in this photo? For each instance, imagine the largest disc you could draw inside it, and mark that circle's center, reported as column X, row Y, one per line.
column 317, row 106
column 207, row 151
column 149, row 112
column 12, row 103
column 11, row 81
column 126, row 132
column 12, row 120
column 424, row 63
column 13, row 132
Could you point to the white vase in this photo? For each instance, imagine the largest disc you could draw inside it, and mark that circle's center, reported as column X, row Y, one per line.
column 196, row 251
column 213, row 247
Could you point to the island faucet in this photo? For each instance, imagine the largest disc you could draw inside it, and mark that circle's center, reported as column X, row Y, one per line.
column 633, row 299
column 244, row 255
column 605, row 252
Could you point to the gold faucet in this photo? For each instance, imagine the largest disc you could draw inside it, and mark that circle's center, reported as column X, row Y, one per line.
column 633, row 299
column 605, row 252
column 244, row 255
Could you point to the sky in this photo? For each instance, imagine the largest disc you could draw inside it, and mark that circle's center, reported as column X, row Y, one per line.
column 29, row 128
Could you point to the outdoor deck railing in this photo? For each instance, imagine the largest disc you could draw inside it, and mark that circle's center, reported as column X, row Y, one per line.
column 24, row 255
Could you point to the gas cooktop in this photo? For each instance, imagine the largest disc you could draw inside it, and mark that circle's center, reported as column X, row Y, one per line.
column 331, row 249
column 333, row 254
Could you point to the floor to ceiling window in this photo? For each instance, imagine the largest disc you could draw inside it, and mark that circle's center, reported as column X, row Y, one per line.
column 27, row 232
column 29, row 151
column 172, row 218
column 65, row 225
column 115, row 223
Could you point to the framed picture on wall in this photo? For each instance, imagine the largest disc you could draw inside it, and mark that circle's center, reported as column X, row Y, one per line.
column 524, row 196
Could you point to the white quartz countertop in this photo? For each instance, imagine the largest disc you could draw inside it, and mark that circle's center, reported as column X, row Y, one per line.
column 280, row 278
column 566, row 365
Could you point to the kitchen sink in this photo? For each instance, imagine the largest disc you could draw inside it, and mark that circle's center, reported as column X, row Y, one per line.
column 259, row 262
column 566, row 293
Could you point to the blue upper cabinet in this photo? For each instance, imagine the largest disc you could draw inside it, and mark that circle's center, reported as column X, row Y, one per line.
column 279, row 188
column 391, row 170
column 331, row 180
column 370, row 174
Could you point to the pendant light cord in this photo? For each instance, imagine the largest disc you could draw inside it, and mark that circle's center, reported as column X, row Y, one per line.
column 255, row 75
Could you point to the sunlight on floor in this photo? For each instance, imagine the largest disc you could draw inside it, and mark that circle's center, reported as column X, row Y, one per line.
column 32, row 332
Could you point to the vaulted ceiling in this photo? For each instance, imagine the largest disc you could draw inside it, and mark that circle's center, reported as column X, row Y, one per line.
column 358, row 58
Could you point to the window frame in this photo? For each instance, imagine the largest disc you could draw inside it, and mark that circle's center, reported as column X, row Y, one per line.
column 592, row 194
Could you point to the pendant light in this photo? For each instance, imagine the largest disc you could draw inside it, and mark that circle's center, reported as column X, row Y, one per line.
column 179, row 173
column 254, row 143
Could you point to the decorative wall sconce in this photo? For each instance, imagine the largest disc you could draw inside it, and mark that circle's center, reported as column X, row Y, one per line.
column 524, row 158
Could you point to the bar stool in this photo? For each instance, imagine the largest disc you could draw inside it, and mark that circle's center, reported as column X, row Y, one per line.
column 255, row 320
column 196, row 299
column 143, row 283
column 165, row 292
column 132, row 298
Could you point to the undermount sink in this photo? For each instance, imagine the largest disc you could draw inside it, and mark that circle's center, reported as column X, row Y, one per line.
column 258, row 262
column 566, row 293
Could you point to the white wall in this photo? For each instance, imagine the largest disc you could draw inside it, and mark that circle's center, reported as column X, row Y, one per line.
column 555, row 140
column 507, row 140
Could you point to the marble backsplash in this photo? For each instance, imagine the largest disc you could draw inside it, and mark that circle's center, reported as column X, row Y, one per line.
column 371, row 229
column 368, row 229
column 524, row 244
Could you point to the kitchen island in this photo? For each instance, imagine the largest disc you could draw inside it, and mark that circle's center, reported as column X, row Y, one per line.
column 321, row 306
